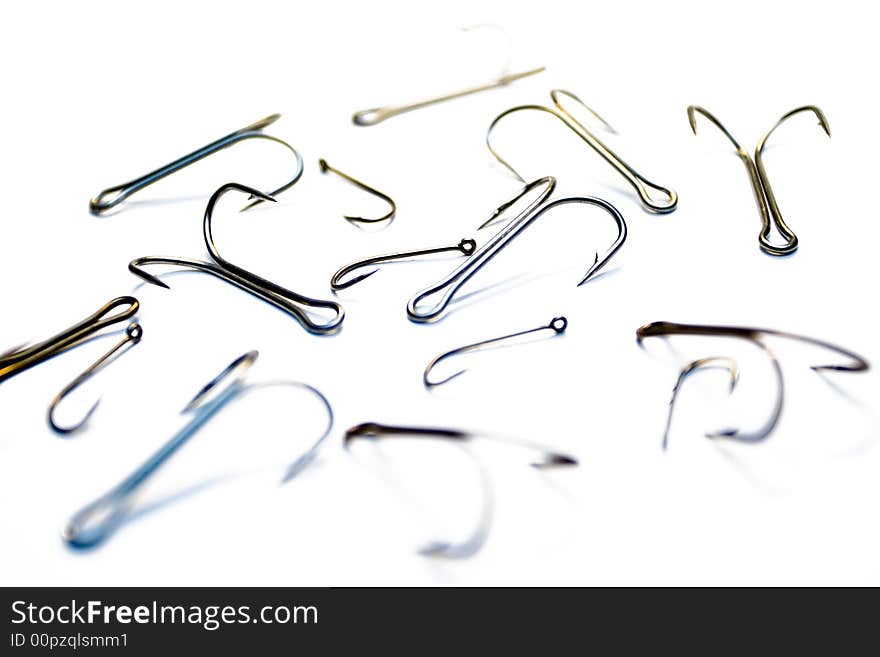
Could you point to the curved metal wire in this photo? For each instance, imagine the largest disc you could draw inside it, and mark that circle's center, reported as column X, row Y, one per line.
column 455, row 280
column 545, row 460
column 642, row 185
column 754, row 336
column 294, row 304
column 465, row 247
column 388, row 216
column 761, row 188
column 22, row 358
column 109, row 198
column 557, row 325
column 99, row 519
column 133, row 335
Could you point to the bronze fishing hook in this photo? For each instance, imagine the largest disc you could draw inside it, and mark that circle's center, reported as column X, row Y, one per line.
column 754, row 336
column 761, row 188
column 642, row 185
column 557, row 325
column 113, row 196
column 536, row 208
column 388, row 216
column 465, row 247
column 133, row 335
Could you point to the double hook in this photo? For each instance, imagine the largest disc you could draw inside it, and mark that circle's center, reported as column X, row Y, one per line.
column 450, row 285
column 764, row 196
column 23, row 358
column 296, row 305
column 642, row 185
column 388, row 216
column 109, row 198
column 754, row 336
column 100, row 518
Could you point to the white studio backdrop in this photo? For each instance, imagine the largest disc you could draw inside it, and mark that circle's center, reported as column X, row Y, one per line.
column 97, row 94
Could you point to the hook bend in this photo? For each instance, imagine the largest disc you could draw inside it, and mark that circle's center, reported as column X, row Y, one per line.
column 388, row 216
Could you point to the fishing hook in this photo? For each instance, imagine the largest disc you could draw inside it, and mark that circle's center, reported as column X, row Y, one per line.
column 763, row 192
column 388, row 216
column 641, row 184
column 113, row 196
column 98, row 519
column 557, row 325
column 22, row 358
column 455, row 280
column 286, row 300
column 754, row 336
column 465, row 247
column 439, row 548
column 133, row 335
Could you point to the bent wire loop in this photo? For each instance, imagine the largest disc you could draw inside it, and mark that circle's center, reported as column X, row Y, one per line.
column 388, row 216
column 642, row 185
column 545, row 460
column 536, row 208
column 112, row 196
column 98, row 519
column 465, row 247
column 754, row 336
column 294, row 304
column 133, row 335
column 557, row 325
column 22, row 358
column 763, row 192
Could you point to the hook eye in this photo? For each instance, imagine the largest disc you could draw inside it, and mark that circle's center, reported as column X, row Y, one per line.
column 559, row 324
column 103, row 317
column 109, row 199
column 238, row 367
column 370, row 116
column 644, row 188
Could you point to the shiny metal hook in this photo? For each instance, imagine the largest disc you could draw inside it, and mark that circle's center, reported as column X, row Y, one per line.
column 455, row 280
column 754, row 336
column 388, row 216
column 133, row 335
column 465, row 247
column 113, row 196
column 22, row 358
column 642, row 185
column 701, row 363
column 294, row 304
column 99, row 519
column 557, row 325
column 545, row 460
column 761, row 188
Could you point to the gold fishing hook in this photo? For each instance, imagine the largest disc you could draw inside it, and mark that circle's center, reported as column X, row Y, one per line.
column 22, row 358
column 388, row 216
column 642, row 185
column 133, row 335
column 761, row 188
column 557, row 325
column 109, row 198
column 465, row 247
column 755, row 336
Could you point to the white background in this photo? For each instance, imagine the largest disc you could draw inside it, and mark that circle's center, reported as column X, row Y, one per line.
column 95, row 95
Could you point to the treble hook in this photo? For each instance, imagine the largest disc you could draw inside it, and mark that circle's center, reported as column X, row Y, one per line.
column 465, row 247
column 455, row 280
column 286, row 300
column 557, row 325
column 763, row 192
column 701, row 363
column 97, row 520
column 545, row 460
column 133, row 335
column 22, row 358
column 754, row 336
column 113, row 196
column 388, row 216
column 641, row 184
